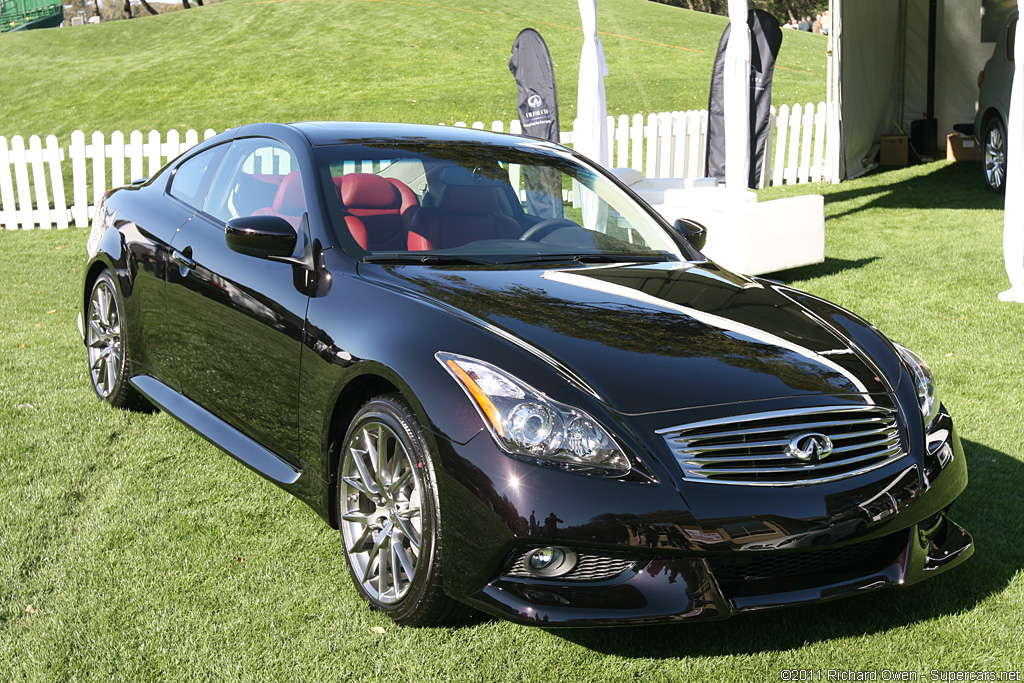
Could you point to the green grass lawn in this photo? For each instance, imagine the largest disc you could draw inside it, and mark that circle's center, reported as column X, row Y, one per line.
column 421, row 61
column 148, row 555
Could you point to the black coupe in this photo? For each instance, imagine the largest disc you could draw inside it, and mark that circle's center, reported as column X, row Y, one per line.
column 511, row 385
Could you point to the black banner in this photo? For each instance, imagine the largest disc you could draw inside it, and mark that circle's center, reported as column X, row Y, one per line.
column 765, row 41
column 531, row 66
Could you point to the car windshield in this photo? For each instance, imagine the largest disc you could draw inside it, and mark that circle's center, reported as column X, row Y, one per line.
column 481, row 204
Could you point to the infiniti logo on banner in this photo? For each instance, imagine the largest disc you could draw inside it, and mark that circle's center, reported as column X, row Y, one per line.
column 809, row 447
column 535, row 102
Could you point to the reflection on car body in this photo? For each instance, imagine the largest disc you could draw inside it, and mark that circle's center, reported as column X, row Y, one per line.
column 550, row 408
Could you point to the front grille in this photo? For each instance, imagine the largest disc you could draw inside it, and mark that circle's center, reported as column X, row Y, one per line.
column 758, row 449
column 589, row 567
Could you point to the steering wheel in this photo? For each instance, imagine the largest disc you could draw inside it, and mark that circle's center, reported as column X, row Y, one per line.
column 541, row 230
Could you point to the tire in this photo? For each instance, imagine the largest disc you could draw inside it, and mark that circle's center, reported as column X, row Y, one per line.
column 994, row 154
column 388, row 515
column 106, row 344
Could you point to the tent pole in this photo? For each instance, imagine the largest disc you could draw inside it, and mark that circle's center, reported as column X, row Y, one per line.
column 931, row 128
column 902, row 37
column 834, row 97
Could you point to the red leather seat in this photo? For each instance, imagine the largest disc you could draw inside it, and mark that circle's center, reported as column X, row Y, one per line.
column 289, row 202
column 464, row 214
column 380, row 210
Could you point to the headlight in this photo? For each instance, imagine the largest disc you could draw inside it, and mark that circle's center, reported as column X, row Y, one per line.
column 525, row 422
column 924, row 383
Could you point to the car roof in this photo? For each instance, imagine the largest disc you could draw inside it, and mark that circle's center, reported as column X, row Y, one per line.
column 339, row 132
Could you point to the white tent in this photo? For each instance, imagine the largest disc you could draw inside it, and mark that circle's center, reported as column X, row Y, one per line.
column 591, row 108
column 893, row 61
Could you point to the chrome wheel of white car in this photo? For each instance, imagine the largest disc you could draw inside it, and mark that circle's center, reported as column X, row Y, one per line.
column 995, row 155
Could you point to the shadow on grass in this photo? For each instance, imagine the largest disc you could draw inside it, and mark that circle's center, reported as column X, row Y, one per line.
column 990, row 509
column 830, row 266
column 949, row 186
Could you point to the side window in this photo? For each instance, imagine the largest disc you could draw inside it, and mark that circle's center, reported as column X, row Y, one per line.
column 192, row 178
column 258, row 177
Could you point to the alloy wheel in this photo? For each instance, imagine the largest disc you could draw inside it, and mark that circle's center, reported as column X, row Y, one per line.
column 995, row 156
column 104, row 339
column 381, row 521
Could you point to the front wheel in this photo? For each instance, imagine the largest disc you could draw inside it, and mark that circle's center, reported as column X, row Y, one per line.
column 388, row 515
column 994, row 141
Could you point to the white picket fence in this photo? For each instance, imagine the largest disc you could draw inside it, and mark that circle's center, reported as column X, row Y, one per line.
column 91, row 175
column 674, row 144
column 665, row 145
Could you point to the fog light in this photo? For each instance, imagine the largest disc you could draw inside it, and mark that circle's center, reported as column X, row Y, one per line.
column 550, row 561
column 544, row 558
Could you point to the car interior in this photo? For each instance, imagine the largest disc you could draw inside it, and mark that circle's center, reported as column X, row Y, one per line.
column 399, row 203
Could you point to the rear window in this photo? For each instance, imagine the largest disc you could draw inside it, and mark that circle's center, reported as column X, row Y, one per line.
column 408, row 171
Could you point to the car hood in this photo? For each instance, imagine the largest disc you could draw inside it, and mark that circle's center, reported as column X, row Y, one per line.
column 658, row 337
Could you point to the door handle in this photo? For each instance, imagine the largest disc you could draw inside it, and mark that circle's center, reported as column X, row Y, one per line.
column 182, row 260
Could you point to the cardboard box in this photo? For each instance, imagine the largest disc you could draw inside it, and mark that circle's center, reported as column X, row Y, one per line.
column 893, row 151
column 962, row 148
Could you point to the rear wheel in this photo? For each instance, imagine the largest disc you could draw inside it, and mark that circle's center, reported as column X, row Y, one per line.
column 388, row 515
column 107, row 346
column 994, row 141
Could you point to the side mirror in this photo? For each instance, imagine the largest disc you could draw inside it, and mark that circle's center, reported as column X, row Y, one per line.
column 691, row 231
column 261, row 236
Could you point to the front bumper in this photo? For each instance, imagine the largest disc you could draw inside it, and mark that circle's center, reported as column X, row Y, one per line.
column 675, row 589
column 726, row 550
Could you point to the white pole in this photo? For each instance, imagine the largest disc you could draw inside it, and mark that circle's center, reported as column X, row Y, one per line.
column 737, row 98
column 834, row 128
column 591, row 106
column 1013, row 214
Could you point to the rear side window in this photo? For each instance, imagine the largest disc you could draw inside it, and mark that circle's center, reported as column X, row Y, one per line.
column 192, row 178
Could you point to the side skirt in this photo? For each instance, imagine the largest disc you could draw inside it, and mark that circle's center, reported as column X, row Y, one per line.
column 217, row 431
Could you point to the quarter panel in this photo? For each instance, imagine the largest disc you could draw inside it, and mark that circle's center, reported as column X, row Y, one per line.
column 144, row 223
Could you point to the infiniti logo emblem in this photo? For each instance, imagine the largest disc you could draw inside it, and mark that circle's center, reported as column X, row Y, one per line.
column 809, row 447
column 535, row 101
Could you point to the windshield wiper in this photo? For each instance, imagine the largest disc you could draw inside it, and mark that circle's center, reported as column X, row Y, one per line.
column 426, row 259
column 593, row 258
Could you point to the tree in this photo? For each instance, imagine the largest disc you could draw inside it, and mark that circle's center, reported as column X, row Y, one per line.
column 783, row 10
